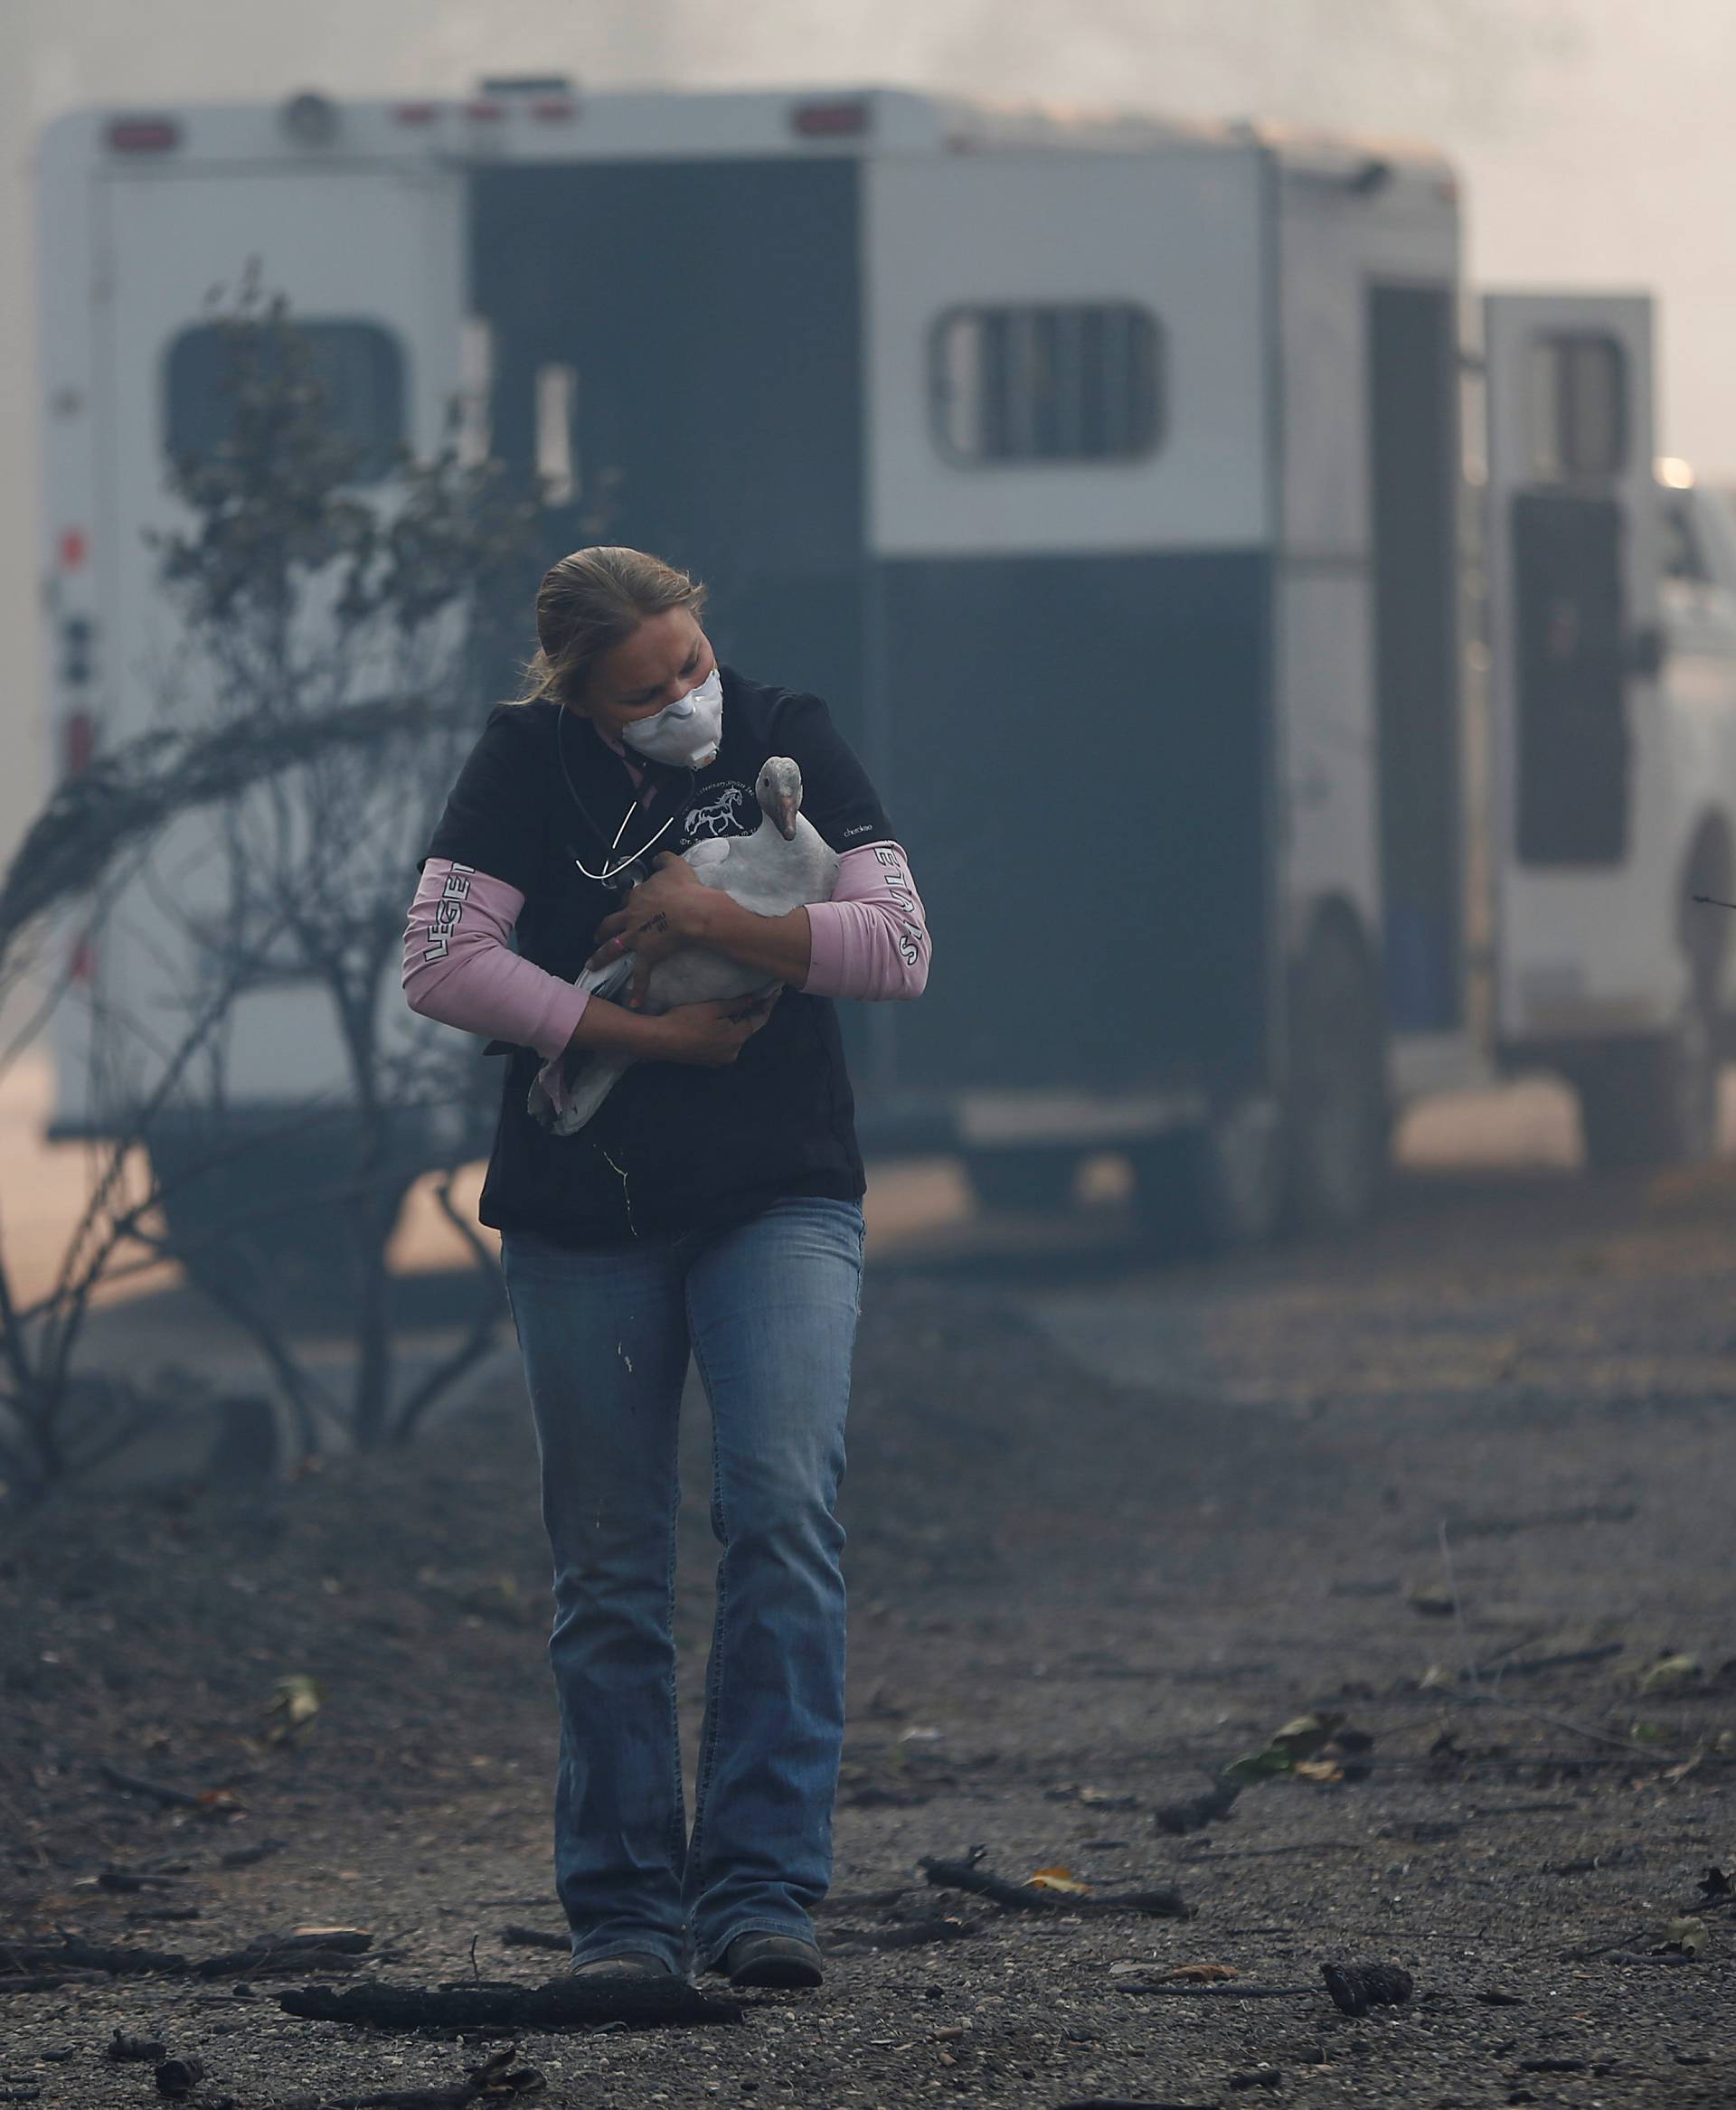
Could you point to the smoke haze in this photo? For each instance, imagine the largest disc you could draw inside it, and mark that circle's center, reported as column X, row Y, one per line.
column 1594, row 136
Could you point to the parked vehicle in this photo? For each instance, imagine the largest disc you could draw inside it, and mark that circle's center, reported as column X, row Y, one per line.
column 1265, row 765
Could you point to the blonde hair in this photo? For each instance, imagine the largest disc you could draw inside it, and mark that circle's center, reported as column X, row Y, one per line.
column 588, row 604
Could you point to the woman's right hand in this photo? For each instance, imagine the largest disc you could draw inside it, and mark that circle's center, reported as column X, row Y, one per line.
column 710, row 1035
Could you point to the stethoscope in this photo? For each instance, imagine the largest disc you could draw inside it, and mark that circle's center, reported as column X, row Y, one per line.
column 611, row 875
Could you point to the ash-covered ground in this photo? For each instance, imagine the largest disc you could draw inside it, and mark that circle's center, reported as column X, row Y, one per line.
column 1463, row 1484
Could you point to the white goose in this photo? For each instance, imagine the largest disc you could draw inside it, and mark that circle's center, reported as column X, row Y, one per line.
column 784, row 865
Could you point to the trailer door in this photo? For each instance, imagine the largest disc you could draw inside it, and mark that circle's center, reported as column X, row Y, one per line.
column 370, row 258
column 1583, row 842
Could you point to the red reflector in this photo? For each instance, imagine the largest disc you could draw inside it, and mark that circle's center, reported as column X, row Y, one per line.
column 829, row 120
column 72, row 548
column 80, row 741
column 143, row 135
column 485, row 112
column 554, row 112
column 417, row 113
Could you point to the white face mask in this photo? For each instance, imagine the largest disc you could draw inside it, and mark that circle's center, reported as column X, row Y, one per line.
column 686, row 732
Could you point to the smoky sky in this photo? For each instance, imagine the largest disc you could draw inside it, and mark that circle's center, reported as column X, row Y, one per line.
column 1594, row 136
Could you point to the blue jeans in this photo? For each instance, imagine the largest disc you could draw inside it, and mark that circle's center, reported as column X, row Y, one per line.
column 768, row 1310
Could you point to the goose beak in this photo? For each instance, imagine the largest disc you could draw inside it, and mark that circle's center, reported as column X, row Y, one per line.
column 784, row 812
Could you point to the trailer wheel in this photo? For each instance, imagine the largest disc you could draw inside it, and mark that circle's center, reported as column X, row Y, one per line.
column 1654, row 1102
column 1337, row 1112
column 1214, row 1189
column 1031, row 1178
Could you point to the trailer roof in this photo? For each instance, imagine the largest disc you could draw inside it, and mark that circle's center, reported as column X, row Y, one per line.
column 546, row 119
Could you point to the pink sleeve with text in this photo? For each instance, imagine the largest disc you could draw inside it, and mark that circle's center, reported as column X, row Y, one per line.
column 871, row 940
column 459, row 968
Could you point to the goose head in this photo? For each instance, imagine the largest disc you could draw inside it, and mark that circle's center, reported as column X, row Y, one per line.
column 779, row 792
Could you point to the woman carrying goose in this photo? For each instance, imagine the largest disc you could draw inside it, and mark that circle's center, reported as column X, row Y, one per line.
column 692, row 865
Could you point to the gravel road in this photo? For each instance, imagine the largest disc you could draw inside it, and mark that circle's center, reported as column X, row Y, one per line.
column 1109, row 1530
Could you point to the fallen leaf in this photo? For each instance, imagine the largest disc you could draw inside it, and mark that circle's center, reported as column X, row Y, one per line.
column 297, row 1698
column 1057, row 1878
column 1670, row 1670
column 1325, row 1771
column 1198, row 1974
column 1298, row 1740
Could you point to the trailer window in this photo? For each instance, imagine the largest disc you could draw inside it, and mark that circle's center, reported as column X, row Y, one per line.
column 1577, row 412
column 360, row 364
column 1050, row 384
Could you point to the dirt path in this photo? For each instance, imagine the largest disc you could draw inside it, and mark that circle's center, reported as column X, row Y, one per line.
column 1106, row 1535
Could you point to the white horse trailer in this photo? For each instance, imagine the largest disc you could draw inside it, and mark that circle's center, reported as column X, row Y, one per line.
column 1106, row 477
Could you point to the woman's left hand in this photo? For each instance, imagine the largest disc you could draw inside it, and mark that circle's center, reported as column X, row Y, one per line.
column 656, row 922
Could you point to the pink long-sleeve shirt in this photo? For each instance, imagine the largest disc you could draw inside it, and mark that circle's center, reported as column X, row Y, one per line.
column 869, row 941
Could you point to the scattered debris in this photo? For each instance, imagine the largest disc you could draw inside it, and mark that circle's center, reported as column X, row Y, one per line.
column 297, row 1699
column 1194, row 1814
column 494, row 2081
column 1357, row 1987
column 1298, row 1741
column 1670, row 1671
column 121, row 2045
column 965, row 1874
column 326, row 1949
column 180, row 2076
column 243, row 1857
column 211, row 1802
column 1667, row 1955
column 110, row 1877
column 558, row 2004
column 1689, row 1935
column 1060, row 1880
